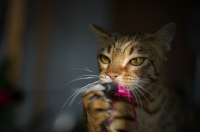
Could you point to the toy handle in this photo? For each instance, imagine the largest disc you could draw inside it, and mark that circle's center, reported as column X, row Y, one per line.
column 110, row 87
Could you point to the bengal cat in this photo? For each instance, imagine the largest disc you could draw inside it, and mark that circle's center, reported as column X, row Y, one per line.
column 136, row 62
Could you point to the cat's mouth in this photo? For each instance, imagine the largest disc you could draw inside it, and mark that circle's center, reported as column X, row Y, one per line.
column 129, row 83
column 132, row 87
column 122, row 84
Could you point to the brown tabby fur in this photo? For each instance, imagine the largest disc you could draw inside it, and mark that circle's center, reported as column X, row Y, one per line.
column 158, row 108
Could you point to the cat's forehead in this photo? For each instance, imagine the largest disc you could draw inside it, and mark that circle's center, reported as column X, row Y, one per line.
column 120, row 47
column 121, row 44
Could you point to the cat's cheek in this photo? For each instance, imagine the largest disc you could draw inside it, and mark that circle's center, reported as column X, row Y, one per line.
column 102, row 79
column 105, row 79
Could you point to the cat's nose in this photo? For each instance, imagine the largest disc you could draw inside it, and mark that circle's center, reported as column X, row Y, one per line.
column 112, row 75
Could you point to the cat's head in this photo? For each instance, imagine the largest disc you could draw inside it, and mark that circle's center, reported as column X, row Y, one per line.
column 132, row 59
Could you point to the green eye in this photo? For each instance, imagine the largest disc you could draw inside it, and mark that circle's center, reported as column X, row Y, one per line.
column 104, row 59
column 137, row 61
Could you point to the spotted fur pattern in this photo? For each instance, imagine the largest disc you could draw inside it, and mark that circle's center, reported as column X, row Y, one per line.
column 158, row 108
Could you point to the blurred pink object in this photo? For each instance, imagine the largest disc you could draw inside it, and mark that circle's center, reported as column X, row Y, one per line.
column 5, row 97
column 122, row 92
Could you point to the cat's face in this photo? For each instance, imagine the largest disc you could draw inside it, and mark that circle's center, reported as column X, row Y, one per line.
column 125, row 62
column 133, row 60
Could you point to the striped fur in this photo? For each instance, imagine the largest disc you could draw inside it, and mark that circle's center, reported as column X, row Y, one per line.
column 157, row 106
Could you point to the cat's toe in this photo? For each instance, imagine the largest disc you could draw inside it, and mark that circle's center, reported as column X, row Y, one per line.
column 97, row 106
column 101, row 104
column 91, row 96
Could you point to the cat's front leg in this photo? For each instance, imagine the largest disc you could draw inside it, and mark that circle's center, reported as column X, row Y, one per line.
column 96, row 108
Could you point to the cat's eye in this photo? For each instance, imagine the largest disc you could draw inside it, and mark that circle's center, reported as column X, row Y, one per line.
column 137, row 61
column 104, row 59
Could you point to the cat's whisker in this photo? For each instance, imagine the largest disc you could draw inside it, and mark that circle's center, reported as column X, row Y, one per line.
column 88, row 76
column 149, row 83
column 147, row 91
column 159, row 78
column 140, row 102
column 81, row 78
column 72, row 96
column 138, row 97
column 85, row 87
column 84, row 68
column 82, row 89
column 77, row 79
column 69, row 99
column 142, row 117
column 144, row 97
column 75, row 95
column 78, row 92
column 152, row 96
column 129, row 97
column 134, row 96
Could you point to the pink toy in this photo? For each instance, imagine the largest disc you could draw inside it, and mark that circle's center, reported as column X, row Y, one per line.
column 122, row 92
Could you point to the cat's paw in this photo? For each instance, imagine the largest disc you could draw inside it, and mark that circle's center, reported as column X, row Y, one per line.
column 97, row 108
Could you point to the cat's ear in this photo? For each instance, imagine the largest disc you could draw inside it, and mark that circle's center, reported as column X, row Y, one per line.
column 165, row 35
column 101, row 34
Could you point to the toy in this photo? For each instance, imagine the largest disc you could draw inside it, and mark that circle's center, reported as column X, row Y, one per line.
column 119, row 91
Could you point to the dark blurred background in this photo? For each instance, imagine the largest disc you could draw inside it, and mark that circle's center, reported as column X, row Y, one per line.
column 41, row 41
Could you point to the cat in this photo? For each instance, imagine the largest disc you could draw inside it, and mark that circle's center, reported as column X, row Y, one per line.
column 136, row 62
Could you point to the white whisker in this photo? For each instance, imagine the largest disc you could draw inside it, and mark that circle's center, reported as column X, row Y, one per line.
column 140, row 112
column 157, row 77
column 138, row 98
column 152, row 96
column 146, row 91
column 149, row 83
column 88, row 76
column 144, row 97
column 85, row 87
column 79, row 91
column 77, row 79
column 84, row 68
column 132, row 90
column 72, row 96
